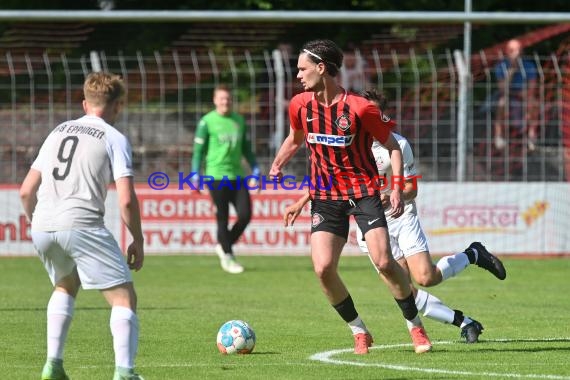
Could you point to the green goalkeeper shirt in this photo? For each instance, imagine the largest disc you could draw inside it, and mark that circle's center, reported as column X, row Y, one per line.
column 222, row 140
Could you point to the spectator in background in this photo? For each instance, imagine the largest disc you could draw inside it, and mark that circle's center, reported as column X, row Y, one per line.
column 353, row 76
column 222, row 139
column 516, row 81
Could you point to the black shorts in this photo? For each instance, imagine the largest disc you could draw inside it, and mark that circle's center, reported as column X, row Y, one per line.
column 333, row 216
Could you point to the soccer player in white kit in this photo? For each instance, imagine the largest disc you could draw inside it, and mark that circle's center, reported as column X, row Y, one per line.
column 409, row 243
column 64, row 196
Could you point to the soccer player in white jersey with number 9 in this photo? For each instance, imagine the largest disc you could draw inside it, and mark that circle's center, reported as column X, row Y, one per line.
column 64, row 196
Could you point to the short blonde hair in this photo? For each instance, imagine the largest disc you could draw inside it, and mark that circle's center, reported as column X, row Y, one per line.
column 222, row 87
column 101, row 89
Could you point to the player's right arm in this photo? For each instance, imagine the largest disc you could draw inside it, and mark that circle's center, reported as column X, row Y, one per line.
column 292, row 212
column 199, row 150
column 28, row 191
column 291, row 144
column 33, row 180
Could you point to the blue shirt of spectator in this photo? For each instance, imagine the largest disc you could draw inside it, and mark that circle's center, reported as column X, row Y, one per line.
column 524, row 72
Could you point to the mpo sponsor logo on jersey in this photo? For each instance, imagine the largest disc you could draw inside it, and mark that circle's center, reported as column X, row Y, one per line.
column 332, row 140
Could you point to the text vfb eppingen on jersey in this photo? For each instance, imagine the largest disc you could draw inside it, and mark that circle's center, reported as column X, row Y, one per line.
column 341, row 181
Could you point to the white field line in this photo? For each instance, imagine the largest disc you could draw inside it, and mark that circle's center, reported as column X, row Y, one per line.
column 327, row 357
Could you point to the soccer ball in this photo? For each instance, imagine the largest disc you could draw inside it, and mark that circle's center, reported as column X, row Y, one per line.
column 235, row 337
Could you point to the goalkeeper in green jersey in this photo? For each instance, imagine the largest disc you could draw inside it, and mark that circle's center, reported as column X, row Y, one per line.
column 221, row 140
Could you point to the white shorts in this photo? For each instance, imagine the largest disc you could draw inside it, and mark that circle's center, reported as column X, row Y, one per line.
column 94, row 251
column 406, row 237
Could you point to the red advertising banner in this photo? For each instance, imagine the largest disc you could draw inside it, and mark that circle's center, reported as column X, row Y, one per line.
column 506, row 217
column 184, row 222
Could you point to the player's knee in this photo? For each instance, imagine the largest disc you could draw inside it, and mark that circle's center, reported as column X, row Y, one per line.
column 69, row 284
column 384, row 265
column 426, row 279
column 122, row 295
column 133, row 300
column 244, row 216
column 324, row 270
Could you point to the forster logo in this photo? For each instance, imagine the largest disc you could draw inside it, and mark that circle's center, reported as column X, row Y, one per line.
column 332, row 140
column 479, row 218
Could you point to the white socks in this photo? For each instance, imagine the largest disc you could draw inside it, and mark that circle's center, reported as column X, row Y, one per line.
column 452, row 265
column 59, row 315
column 416, row 322
column 125, row 329
column 433, row 308
column 466, row 321
column 357, row 326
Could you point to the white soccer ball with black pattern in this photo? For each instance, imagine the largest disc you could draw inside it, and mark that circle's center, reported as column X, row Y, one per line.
column 235, row 337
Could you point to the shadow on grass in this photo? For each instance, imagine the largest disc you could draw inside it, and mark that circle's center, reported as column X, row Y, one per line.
column 34, row 309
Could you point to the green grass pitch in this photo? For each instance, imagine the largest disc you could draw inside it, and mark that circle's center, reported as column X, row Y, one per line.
column 183, row 300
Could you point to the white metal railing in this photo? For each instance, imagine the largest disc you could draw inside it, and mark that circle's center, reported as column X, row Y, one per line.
column 167, row 92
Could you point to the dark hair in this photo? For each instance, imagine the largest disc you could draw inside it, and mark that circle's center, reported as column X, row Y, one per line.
column 377, row 97
column 325, row 51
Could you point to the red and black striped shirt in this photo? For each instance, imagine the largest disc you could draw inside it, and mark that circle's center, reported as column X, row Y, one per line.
column 339, row 140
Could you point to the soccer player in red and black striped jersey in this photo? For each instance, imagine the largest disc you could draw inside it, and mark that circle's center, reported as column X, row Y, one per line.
column 338, row 128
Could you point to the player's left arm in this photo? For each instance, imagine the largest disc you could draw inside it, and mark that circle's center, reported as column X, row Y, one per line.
column 28, row 191
column 120, row 155
column 410, row 191
column 131, row 217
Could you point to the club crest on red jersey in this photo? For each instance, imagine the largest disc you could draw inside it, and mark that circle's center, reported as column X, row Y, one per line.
column 317, row 219
column 385, row 118
column 343, row 122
